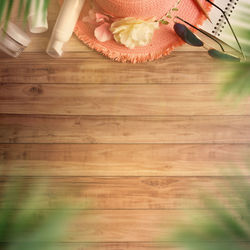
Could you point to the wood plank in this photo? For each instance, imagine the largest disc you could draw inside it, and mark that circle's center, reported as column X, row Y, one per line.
column 132, row 245
column 114, row 246
column 123, row 160
column 119, row 226
column 120, row 246
column 132, row 192
column 134, row 100
column 90, row 67
column 141, row 246
column 136, row 246
column 134, row 225
column 101, row 129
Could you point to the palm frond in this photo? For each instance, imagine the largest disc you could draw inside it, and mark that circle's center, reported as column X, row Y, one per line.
column 24, row 224
column 225, row 227
column 6, row 8
column 237, row 84
column 238, row 78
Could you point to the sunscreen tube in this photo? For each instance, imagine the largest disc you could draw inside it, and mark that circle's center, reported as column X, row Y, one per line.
column 64, row 26
column 37, row 18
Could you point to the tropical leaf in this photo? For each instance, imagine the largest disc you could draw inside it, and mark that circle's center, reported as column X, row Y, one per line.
column 6, row 8
column 227, row 227
column 24, row 224
column 237, row 83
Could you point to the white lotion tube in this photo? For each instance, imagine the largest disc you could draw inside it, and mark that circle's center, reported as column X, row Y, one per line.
column 37, row 19
column 64, row 26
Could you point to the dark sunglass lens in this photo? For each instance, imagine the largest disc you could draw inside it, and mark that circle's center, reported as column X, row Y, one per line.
column 186, row 35
column 222, row 56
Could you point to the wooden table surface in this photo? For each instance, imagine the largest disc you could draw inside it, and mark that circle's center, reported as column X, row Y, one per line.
column 137, row 141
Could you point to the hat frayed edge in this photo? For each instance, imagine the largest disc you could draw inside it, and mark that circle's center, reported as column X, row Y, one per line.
column 132, row 58
column 125, row 57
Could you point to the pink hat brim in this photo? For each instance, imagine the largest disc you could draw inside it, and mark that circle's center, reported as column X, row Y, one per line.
column 164, row 39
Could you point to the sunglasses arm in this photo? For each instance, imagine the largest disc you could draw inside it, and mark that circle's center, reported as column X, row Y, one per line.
column 203, row 32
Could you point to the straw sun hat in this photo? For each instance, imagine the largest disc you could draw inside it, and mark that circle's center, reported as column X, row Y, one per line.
column 135, row 30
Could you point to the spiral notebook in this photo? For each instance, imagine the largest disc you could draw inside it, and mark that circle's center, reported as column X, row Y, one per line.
column 238, row 13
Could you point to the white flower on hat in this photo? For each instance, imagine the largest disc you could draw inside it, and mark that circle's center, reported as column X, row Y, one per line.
column 133, row 32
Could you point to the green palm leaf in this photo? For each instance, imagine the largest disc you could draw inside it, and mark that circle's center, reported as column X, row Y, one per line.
column 226, row 227
column 6, row 7
column 24, row 224
column 237, row 83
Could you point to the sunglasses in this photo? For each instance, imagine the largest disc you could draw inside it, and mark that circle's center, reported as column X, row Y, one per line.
column 216, row 47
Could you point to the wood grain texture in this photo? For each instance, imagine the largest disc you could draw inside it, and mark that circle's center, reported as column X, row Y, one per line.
column 102, row 129
column 133, row 192
column 113, row 100
column 136, row 245
column 132, row 225
column 129, row 146
column 119, row 226
column 132, row 246
column 90, row 67
column 117, row 246
column 123, row 160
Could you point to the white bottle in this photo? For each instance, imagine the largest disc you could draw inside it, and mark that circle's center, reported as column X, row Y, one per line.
column 64, row 26
column 37, row 18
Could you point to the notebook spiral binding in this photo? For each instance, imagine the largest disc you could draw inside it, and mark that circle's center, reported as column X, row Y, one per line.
column 222, row 20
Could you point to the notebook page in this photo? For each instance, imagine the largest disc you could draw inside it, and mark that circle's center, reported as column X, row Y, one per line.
column 215, row 16
column 240, row 21
column 238, row 13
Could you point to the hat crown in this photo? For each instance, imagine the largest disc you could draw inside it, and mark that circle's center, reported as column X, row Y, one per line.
column 136, row 8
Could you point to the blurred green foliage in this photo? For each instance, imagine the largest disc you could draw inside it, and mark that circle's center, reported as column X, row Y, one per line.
column 6, row 7
column 227, row 227
column 24, row 225
column 237, row 83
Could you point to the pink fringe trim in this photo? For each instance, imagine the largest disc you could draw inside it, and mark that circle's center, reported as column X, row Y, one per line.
column 125, row 57
column 132, row 58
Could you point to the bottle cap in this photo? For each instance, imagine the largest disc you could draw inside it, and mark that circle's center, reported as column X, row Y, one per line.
column 17, row 34
column 37, row 18
column 37, row 23
column 9, row 46
column 55, row 48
